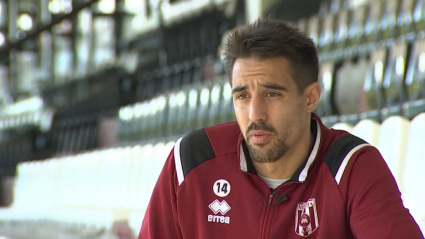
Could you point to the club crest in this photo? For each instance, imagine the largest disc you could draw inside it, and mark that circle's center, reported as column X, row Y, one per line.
column 306, row 219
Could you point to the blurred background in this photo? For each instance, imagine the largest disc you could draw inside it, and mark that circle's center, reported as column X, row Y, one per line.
column 93, row 95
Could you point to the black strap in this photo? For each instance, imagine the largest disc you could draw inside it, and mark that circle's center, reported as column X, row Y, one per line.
column 339, row 149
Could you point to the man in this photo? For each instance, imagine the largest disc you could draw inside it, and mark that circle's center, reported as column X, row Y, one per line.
column 278, row 172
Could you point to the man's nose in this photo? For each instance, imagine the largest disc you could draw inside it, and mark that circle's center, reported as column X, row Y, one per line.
column 257, row 109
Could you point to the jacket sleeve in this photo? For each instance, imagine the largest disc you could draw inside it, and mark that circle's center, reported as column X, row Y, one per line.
column 161, row 218
column 374, row 206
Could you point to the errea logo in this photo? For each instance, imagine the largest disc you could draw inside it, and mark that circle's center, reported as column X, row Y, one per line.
column 219, row 207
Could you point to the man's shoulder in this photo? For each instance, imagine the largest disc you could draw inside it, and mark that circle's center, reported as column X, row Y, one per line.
column 342, row 149
column 335, row 139
column 218, row 139
column 202, row 145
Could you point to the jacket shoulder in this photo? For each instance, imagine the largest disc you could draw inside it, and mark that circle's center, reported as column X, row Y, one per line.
column 204, row 144
column 224, row 138
column 341, row 151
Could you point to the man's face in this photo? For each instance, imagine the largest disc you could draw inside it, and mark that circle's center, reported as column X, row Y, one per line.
column 270, row 110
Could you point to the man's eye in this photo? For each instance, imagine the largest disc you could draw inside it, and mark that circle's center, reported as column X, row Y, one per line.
column 272, row 94
column 241, row 96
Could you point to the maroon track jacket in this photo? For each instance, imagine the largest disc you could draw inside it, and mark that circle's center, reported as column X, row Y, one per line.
column 209, row 189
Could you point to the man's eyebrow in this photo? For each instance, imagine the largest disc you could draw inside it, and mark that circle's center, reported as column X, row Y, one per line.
column 237, row 89
column 275, row 87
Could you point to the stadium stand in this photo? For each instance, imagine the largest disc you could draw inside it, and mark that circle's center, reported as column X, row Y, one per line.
column 392, row 144
column 66, row 185
column 343, row 126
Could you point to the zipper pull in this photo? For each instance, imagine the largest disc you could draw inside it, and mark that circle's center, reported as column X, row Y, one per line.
column 269, row 202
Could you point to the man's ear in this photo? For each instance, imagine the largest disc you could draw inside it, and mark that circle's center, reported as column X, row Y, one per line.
column 312, row 95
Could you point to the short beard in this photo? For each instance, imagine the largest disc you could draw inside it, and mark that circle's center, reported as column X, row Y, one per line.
column 278, row 149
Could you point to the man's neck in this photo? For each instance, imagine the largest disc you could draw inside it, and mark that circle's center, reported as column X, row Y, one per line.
column 287, row 165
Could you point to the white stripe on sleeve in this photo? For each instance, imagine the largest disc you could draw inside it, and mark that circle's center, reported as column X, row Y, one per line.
column 177, row 160
column 344, row 163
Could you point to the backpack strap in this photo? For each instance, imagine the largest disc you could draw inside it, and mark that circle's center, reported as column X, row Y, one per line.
column 340, row 152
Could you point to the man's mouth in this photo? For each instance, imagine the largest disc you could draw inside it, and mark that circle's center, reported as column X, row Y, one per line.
column 259, row 137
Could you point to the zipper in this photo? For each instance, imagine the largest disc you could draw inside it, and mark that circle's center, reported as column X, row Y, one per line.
column 266, row 217
column 269, row 206
column 291, row 184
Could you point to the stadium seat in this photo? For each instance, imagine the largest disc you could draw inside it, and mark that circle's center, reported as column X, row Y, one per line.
column 197, row 73
column 368, row 130
column 67, row 181
column 93, row 165
column 374, row 15
column 393, row 82
column 106, row 171
column 415, row 80
column 192, row 113
column 392, row 144
column 419, row 15
column 123, row 161
column 341, row 29
column 133, row 177
column 59, row 142
column 187, row 74
column 371, row 99
column 343, row 126
column 83, row 181
column 158, row 161
column 204, row 106
column 314, row 28
column 148, row 90
column 226, row 112
column 144, row 121
column 302, row 24
column 158, row 109
column 167, row 149
column 387, row 26
column 177, row 78
column 23, row 184
column 177, row 106
column 180, row 117
column 35, row 207
column 215, row 100
column 327, row 34
column 172, row 112
column 405, row 18
column 134, row 128
column 349, row 83
column 77, row 181
column 326, row 80
column 166, row 83
column 135, row 221
column 356, row 26
column 413, row 193
column 143, row 182
column 151, row 164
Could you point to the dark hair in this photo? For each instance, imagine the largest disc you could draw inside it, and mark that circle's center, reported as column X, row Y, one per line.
column 266, row 38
